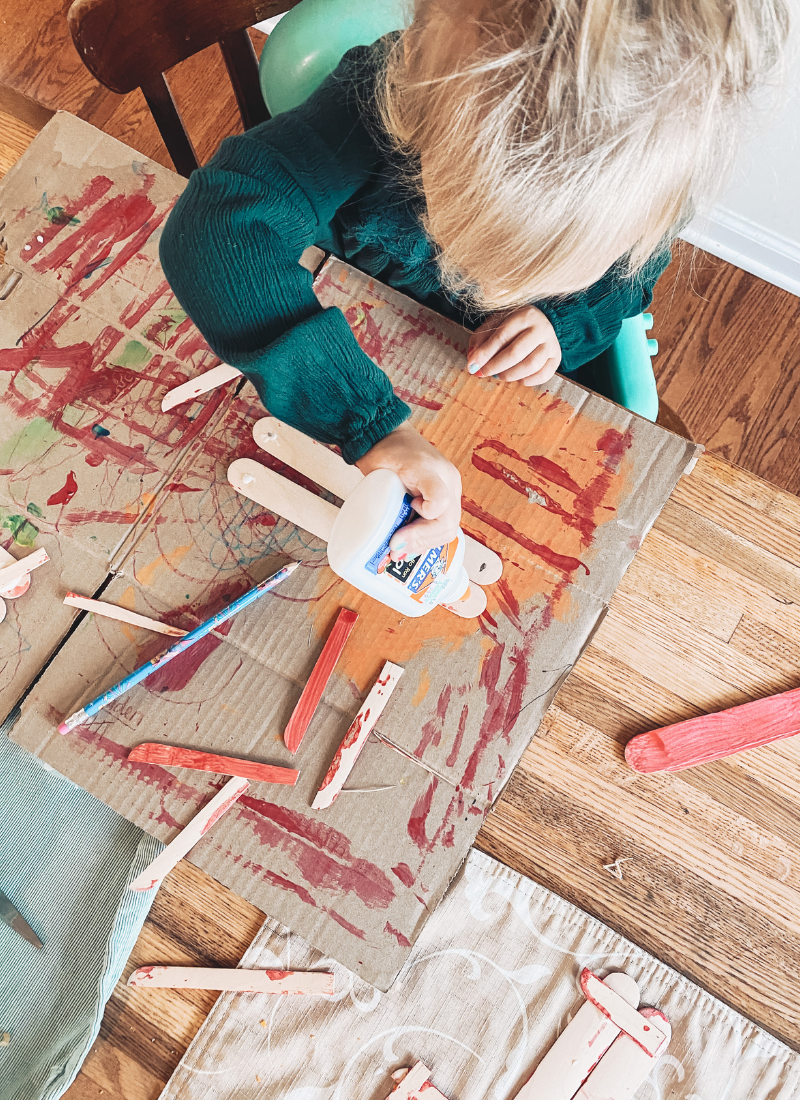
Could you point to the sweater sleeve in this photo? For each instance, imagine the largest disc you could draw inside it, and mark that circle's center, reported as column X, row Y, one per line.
column 230, row 252
column 589, row 322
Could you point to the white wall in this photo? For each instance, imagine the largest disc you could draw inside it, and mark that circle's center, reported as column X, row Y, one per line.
column 756, row 224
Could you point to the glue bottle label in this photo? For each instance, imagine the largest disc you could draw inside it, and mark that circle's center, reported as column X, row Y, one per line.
column 425, row 577
column 378, row 562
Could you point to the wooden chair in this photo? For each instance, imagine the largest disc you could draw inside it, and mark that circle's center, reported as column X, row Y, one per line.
column 128, row 44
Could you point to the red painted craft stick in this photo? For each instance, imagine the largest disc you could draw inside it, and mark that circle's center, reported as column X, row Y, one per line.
column 172, row 756
column 317, row 681
column 714, row 736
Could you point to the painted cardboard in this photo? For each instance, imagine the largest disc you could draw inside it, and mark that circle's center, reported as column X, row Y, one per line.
column 560, row 482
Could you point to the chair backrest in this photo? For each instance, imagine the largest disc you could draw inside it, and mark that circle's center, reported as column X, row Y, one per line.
column 310, row 40
column 129, row 44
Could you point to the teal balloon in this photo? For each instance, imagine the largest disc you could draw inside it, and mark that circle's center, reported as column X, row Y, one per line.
column 311, row 39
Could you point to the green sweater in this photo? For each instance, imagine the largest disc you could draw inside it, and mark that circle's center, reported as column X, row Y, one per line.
column 325, row 173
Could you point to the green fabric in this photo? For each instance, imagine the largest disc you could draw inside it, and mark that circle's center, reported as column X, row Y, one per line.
column 324, row 173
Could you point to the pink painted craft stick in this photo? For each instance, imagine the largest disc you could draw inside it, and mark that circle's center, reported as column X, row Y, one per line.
column 714, row 736
column 122, row 615
column 317, row 681
column 356, row 736
column 625, row 1066
column 415, row 1085
column 196, row 829
column 320, row 983
column 588, row 1035
column 643, row 1032
column 173, row 756
column 9, row 574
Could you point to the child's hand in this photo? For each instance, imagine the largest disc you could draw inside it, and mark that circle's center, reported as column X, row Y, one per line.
column 518, row 347
column 434, row 482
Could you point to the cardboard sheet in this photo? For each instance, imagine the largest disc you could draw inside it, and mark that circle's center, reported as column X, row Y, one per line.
column 560, row 482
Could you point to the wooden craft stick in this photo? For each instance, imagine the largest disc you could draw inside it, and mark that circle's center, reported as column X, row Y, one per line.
column 317, row 681
column 174, row 852
column 714, row 736
column 11, row 574
column 304, row 454
column 121, row 614
column 627, row 1019
column 356, row 736
column 326, row 468
column 283, row 497
column 415, row 1085
column 316, row 982
column 625, row 1066
column 173, row 756
column 587, row 1036
column 209, row 380
column 17, row 588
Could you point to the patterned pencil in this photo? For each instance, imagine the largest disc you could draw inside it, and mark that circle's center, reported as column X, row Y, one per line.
column 193, row 636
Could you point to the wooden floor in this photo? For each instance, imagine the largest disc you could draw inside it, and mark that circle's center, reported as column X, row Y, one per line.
column 729, row 368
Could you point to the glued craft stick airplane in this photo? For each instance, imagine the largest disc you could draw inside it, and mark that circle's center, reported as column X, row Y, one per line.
column 316, row 515
column 606, row 1051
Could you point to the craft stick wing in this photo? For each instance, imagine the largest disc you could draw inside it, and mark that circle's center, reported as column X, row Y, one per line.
column 587, row 1036
column 283, row 497
column 625, row 1066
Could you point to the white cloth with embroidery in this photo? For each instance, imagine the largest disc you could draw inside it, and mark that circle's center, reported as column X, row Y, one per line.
column 489, row 986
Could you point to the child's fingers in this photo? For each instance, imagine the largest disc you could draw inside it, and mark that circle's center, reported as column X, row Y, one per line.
column 544, row 374
column 530, row 365
column 496, row 339
column 511, row 355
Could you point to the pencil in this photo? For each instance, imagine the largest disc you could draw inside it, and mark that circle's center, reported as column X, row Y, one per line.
column 139, row 674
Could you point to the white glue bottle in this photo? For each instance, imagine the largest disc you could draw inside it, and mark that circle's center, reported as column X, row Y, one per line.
column 358, row 550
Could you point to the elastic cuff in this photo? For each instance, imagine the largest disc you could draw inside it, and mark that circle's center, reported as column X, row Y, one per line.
column 388, row 417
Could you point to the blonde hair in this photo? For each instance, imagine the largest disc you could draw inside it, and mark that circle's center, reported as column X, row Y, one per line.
column 553, row 137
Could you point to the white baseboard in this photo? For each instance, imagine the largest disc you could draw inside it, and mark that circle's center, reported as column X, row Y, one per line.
column 747, row 245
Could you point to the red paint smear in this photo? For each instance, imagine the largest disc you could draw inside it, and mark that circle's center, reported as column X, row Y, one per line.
column 132, row 313
column 304, row 895
column 454, row 751
column 66, row 492
column 93, row 459
column 263, row 519
column 179, row 487
column 93, row 191
column 321, row 854
column 404, row 873
column 548, row 469
column 558, row 561
column 88, row 246
column 77, row 517
column 416, row 399
column 508, row 601
column 401, row 939
column 503, row 703
column 419, row 817
column 432, row 730
column 177, row 673
column 614, row 445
